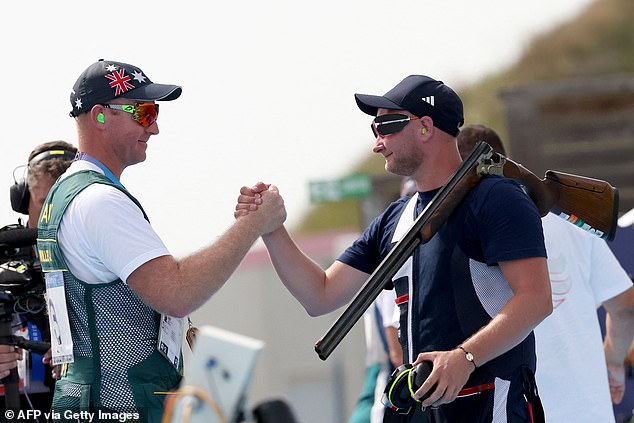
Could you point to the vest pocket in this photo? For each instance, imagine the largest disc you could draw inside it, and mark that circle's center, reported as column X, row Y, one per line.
column 149, row 380
column 70, row 396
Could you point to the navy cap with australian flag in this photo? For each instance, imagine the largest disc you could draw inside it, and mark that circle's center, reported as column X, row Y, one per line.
column 106, row 80
column 421, row 96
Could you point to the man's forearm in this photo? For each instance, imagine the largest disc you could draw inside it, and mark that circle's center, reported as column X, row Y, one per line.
column 303, row 278
column 619, row 324
column 531, row 303
column 178, row 287
column 319, row 291
column 508, row 328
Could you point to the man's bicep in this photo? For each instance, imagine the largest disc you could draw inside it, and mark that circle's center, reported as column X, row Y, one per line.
column 527, row 275
column 147, row 280
column 532, row 297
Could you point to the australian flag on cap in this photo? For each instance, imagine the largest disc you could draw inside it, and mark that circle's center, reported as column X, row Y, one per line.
column 105, row 80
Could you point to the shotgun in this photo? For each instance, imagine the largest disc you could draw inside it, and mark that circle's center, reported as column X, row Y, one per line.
column 594, row 201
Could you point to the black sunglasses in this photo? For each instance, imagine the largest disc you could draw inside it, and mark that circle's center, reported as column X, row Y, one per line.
column 390, row 123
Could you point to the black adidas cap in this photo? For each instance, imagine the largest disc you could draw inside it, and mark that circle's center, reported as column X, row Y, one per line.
column 421, row 96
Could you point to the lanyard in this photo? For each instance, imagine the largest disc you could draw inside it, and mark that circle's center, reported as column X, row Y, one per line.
column 85, row 156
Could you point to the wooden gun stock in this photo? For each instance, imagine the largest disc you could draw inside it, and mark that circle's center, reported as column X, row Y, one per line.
column 589, row 203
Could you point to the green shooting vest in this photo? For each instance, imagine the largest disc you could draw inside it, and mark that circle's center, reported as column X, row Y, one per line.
column 117, row 366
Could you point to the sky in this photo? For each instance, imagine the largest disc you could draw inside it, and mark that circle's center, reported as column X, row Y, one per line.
column 267, row 86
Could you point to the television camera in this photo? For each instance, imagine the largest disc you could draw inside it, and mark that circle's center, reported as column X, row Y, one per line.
column 21, row 292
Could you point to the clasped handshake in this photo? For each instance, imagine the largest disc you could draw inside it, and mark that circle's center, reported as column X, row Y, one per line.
column 263, row 205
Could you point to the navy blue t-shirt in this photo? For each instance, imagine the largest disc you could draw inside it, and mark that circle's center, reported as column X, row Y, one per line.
column 500, row 222
column 457, row 286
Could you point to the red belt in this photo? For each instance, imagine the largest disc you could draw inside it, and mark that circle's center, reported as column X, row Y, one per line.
column 476, row 389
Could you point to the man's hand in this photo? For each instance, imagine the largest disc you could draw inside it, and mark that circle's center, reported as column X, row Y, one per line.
column 450, row 373
column 48, row 359
column 263, row 204
column 249, row 199
column 9, row 357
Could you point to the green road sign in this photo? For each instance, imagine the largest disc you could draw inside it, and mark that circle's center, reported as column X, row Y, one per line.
column 354, row 186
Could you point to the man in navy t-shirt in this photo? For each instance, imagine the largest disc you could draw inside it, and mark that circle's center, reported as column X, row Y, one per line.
column 470, row 297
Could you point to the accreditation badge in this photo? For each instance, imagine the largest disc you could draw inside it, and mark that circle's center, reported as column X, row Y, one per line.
column 61, row 339
column 171, row 338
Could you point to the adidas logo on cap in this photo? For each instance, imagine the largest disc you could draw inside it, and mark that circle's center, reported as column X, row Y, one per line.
column 429, row 99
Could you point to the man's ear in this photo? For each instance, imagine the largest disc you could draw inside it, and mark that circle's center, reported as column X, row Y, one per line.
column 427, row 126
column 97, row 115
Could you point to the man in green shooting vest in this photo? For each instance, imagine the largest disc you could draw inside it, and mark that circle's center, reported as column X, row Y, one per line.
column 115, row 293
